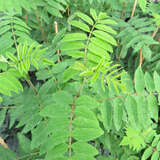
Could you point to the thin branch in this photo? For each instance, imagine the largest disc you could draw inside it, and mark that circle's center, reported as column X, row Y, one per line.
column 9, row 107
column 140, row 57
column 86, row 48
column 123, row 8
column 13, row 34
column 155, row 32
column 68, row 11
column 140, row 53
column 32, row 86
column 26, row 17
column 41, row 28
column 70, row 130
column 2, row 142
column 27, row 155
column 159, row 38
column 35, row 91
column 56, row 31
column 134, row 7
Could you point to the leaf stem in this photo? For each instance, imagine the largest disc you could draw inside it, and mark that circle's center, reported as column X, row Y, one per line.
column 13, row 34
column 56, row 31
column 2, row 142
column 41, row 28
column 35, row 91
column 134, row 7
column 140, row 57
column 87, row 43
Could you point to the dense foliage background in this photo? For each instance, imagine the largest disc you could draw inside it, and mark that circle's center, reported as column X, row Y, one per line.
column 79, row 79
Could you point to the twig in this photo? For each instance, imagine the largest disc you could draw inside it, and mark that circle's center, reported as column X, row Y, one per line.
column 56, row 31
column 159, row 38
column 134, row 7
column 13, row 34
column 68, row 11
column 70, row 131
column 87, row 43
column 133, row 11
column 35, row 91
column 41, row 28
column 123, row 8
column 140, row 57
column 26, row 17
column 32, row 86
column 141, row 54
column 3, row 143
column 27, row 155
column 155, row 32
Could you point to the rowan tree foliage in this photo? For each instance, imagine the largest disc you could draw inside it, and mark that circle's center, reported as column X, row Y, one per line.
column 79, row 80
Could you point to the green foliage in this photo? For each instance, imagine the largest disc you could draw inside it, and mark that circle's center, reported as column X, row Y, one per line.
column 94, row 48
column 26, row 56
column 13, row 30
column 135, row 37
column 77, row 82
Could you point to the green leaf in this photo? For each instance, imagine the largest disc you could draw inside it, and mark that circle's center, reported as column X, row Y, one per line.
column 62, row 95
column 2, row 116
column 93, row 58
column 158, row 147
column 44, row 89
column 133, row 158
column 139, row 80
column 75, row 54
column 1, row 99
column 133, row 138
column 147, row 153
column 72, row 46
column 127, row 81
column 155, row 156
column 74, row 37
column 80, row 25
column 156, row 81
column 105, row 28
column 98, row 51
column 69, row 73
column 7, row 154
column 153, row 107
column 57, row 152
column 85, row 18
column 24, row 144
column 48, row 62
column 86, row 131
column 102, row 15
column 93, row 14
column 105, row 36
column 142, row 108
column 87, row 134
column 155, row 141
column 149, row 83
column 40, row 130
column 87, row 101
column 142, row 4
column 84, row 148
column 19, row 52
column 131, row 107
column 12, row 57
column 150, row 135
column 102, row 44
column 4, row 29
column 107, row 113
column 118, row 113
column 78, row 156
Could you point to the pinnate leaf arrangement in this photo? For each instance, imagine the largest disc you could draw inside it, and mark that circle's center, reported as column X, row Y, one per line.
column 79, row 80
